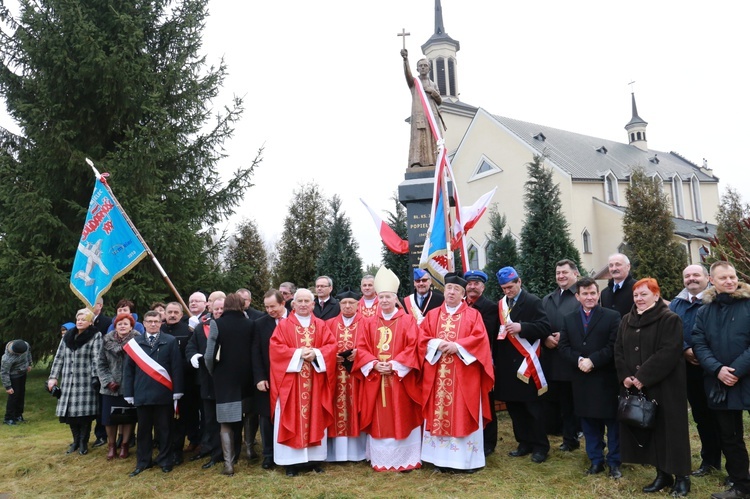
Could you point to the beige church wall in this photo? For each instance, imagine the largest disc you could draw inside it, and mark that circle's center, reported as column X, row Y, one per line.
column 710, row 200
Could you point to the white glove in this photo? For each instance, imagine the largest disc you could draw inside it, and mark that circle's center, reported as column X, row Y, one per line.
column 194, row 360
column 177, row 396
column 193, row 321
column 129, row 400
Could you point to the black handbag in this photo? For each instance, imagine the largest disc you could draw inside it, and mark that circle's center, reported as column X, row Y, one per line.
column 635, row 410
column 123, row 415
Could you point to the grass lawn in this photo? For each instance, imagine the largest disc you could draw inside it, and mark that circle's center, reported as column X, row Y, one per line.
column 33, row 463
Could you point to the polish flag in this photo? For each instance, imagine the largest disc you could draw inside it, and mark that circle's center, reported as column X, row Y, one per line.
column 470, row 215
column 391, row 240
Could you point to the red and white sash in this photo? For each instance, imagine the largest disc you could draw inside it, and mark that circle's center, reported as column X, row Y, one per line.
column 530, row 368
column 148, row 365
column 412, row 308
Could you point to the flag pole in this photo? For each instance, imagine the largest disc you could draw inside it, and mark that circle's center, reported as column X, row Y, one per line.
column 447, row 214
column 161, row 270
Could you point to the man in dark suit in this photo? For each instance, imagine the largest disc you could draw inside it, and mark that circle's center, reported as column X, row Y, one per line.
column 587, row 342
column 475, row 298
column 423, row 299
column 264, row 328
column 247, row 298
column 523, row 327
column 326, row 306
column 153, row 399
column 618, row 295
column 101, row 321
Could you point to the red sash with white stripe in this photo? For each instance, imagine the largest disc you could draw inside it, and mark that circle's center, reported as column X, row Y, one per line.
column 148, row 365
column 412, row 308
column 530, row 368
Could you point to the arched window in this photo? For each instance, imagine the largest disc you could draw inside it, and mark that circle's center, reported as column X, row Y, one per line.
column 695, row 190
column 632, row 137
column 440, row 74
column 586, row 241
column 611, row 195
column 679, row 204
column 452, row 77
column 638, row 134
column 473, row 256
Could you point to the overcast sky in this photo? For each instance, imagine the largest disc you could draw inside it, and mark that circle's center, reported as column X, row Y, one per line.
column 326, row 97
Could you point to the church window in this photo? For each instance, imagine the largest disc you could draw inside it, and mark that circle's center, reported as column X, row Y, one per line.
column 610, row 189
column 473, row 257
column 441, row 76
column 452, row 78
column 638, row 134
column 695, row 188
column 484, row 168
column 602, row 150
column 632, row 137
column 586, row 241
column 679, row 206
column 703, row 252
column 540, row 136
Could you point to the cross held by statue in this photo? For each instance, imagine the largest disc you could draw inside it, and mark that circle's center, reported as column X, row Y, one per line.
column 404, row 34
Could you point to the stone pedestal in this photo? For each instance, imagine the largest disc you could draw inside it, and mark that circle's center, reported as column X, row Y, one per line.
column 415, row 193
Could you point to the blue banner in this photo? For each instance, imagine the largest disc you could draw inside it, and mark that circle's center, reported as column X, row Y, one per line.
column 108, row 248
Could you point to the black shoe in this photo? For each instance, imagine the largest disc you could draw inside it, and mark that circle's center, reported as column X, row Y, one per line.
column 138, row 471
column 519, row 452
column 178, row 461
column 614, row 472
column 211, row 463
column 99, row 442
column 728, row 482
column 704, row 470
column 267, row 463
column 291, row 471
column 83, row 448
column 72, row 448
column 732, row 493
column 20, row 419
column 166, row 469
column 539, row 457
column 318, row 469
column 10, row 422
column 199, row 456
column 595, row 469
column 681, row 486
column 662, row 481
column 566, row 447
column 488, row 451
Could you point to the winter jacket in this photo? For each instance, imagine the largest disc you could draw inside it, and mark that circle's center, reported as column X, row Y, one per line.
column 13, row 364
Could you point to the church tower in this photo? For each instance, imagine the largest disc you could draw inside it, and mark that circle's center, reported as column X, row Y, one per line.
column 636, row 129
column 441, row 50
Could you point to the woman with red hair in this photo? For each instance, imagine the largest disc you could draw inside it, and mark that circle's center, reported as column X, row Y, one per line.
column 648, row 357
column 109, row 368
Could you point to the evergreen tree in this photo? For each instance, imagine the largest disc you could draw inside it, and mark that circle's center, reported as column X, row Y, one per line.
column 501, row 252
column 649, row 230
column 545, row 239
column 128, row 87
column 304, row 237
column 247, row 261
column 399, row 264
column 732, row 240
column 339, row 259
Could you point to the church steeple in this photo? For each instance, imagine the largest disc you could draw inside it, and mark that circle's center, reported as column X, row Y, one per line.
column 636, row 128
column 441, row 50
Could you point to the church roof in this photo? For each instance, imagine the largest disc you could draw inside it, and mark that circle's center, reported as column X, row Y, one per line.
column 689, row 229
column 590, row 158
column 440, row 36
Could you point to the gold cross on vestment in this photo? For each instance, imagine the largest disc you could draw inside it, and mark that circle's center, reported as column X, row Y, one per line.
column 343, row 376
column 440, row 412
column 346, row 335
column 306, row 339
column 444, row 371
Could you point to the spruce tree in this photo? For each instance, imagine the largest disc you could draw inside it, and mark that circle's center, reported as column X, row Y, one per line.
column 128, row 87
column 732, row 240
column 305, row 234
column 399, row 264
column 501, row 252
column 648, row 229
column 247, row 261
column 339, row 259
column 545, row 238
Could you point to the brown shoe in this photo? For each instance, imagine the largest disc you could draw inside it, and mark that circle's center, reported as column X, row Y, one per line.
column 124, row 450
column 110, row 451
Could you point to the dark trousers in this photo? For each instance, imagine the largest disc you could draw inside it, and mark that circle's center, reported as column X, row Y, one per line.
column 15, row 404
column 159, row 418
column 593, row 432
column 211, row 442
column 705, row 418
column 187, row 424
column 559, row 414
column 100, row 432
column 266, row 435
column 528, row 425
column 490, row 431
column 733, row 446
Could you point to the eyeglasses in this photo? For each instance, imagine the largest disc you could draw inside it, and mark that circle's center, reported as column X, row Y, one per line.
column 424, row 279
column 152, row 321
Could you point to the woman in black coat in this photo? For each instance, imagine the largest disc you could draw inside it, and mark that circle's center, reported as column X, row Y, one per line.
column 648, row 357
column 228, row 359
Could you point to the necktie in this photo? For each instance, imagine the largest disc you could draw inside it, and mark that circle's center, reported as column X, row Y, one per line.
column 693, row 299
column 511, row 302
column 151, row 338
column 421, row 300
column 615, row 288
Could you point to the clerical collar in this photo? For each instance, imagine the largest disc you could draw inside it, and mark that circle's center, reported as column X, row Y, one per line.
column 369, row 303
column 304, row 321
column 389, row 316
column 452, row 310
column 348, row 320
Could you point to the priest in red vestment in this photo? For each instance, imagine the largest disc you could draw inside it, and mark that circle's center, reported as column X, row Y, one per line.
column 390, row 397
column 302, row 354
column 368, row 304
column 345, row 442
column 457, row 376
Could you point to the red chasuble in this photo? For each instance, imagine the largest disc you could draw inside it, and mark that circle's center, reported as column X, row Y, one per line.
column 367, row 312
column 451, row 390
column 306, row 397
column 389, row 405
column 346, row 420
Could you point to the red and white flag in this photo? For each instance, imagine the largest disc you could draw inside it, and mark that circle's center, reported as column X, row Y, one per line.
column 470, row 216
column 391, row 240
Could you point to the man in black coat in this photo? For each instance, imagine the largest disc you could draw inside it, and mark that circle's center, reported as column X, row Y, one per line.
column 618, row 295
column 188, row 424
column 326, row 306
column 475, row 298
column 587, row 343
column 264, row 328
column 559, row 414
column 424, row 298
column 153, row 399
column 523, row 328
